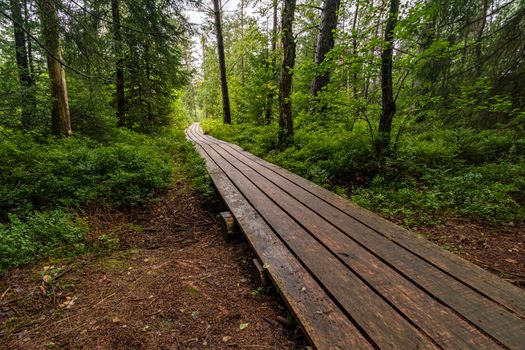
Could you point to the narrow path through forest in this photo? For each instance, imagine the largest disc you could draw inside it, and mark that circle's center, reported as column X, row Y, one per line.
column 172, row 283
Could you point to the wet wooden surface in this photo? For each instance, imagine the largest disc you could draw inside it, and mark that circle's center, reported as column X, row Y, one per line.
column 353, row 279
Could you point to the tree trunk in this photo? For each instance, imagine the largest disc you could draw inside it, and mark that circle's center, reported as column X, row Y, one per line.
column 325, row 43
column 22, row 62
column 387, row 91
column 29, row 44
column 203, row 41
column 242, row 37
column 60, row 117
column 149, row 90
column 222, row 64
column 373, row 49
column 354, row 46
column 120, row 98
column 285, row 86
column 269, row 97
column 479, row 37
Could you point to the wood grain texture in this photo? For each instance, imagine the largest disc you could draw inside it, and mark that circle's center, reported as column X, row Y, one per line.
column 329, row 329
column 396, row 289
column 489, row 316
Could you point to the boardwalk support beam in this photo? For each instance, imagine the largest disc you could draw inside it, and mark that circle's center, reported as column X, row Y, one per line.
column 261, row 277
column 228, row 226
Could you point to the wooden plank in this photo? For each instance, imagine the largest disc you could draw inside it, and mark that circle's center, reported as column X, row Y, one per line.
column 436, row 320
column 376, row 317
column 329, row 329
column 488, row 316
column 486, row 283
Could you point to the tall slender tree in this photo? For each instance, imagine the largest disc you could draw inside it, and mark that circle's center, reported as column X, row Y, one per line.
column 285, row 84
column 60, row 115
column 24, row 72
column 354, row 45
column 241, row 58
column 271, row 62
column 120, row 98
column 222, row 64
column 325, row 43
column 388, row 103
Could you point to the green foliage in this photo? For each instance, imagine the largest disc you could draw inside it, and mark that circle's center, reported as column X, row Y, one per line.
column 257, row 139
column 434, row 174
column 55, row 233
column 37, row 176
column 193, row 167
column 491, row 193
column 78, row 171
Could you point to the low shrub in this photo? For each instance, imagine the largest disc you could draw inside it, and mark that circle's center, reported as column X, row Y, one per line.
column 76, row 172
column 43, row 181
column 432, row 174
column 55, row 233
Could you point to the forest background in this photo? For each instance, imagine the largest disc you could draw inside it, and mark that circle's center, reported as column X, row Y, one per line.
column 413, row 109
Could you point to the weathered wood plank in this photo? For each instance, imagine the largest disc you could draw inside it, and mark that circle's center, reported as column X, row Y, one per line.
column 488, row 284
column 329, row 329
column 487, row 315
column 411, row 275
column 484, row 313
column 436, row 320
column 377, row 318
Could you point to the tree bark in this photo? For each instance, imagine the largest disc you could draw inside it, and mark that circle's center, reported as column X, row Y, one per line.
column 325, row 43
column 270, row 96
column 387, row 93
column 479, row 36
column 60, row 116
column 120, row 98
column 204, row 48
column 24, row 72
column 354, row 46
column 222, row 64
column 373, row 49
column 242, row 37
column 29, row 44
column 285, row 86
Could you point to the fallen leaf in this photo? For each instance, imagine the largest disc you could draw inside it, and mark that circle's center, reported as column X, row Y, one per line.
column 511, row 261
column 47, row 278
column 226, row 338
column 243, row 326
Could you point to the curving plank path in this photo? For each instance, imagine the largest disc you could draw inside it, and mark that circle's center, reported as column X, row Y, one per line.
column 352, row 279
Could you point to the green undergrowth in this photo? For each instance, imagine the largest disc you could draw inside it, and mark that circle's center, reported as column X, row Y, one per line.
column 46, row 185
column 433, row 174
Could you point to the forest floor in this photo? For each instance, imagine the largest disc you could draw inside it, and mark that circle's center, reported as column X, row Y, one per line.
column 165, row 279
column 170, row 282
column 499, row 249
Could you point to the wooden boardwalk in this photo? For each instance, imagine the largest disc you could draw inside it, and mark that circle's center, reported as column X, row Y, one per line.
column 352, row 279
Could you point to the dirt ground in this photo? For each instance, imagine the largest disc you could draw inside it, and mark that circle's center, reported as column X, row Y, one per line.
column 498, row 249
column 163, row 278
column 170, row 282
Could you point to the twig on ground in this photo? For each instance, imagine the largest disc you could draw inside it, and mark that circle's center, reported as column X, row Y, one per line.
column 104, row 299
column 4, row 293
